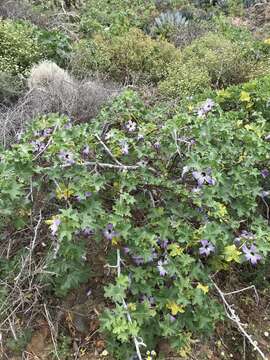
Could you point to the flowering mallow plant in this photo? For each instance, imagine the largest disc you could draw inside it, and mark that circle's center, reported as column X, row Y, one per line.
column 160, row 240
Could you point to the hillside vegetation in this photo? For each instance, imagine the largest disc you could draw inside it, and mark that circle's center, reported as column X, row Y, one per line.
column 134, row 179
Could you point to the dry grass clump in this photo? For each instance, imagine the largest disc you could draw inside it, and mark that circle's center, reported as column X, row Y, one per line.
column 53, row 90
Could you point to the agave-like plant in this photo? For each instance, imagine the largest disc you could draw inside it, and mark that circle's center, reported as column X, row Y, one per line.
column 168, row 20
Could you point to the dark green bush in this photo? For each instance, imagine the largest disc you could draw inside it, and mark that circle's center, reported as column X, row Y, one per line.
column 130, row 57
column 216, row 62
column 115, row 16
column 19, row 48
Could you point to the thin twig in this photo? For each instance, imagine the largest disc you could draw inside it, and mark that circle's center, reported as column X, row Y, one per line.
column 234, row 317
column 108, row 151
column 52, row 330
column 138, row 342
column 245, row 289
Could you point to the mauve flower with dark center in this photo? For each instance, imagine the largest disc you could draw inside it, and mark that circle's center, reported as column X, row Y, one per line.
column 139, row 260
column 264, row 194
column 265, row 173
column 205, row 107
column 140, row 137
column 163, row 243
column 38, row 145
column 243, row 235
column 86, row 151
column 160, row 267
column 157, row 145
column 55, row 225
column 87, row 194
column 251, row 254
column 68, row 125
column 109, row 233
column 207, row 248
column 124, row 147
column 131, row 126
column 87, row 231
column 126, row 250
column 203, row 177
column 47, row 132
column 66, row 157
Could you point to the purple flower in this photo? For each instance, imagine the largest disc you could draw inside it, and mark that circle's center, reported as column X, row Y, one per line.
column 264, row 194
column 205, row 107
column 87, row 194
column 246, row 234
column 124, row 147
column 66, row 157
column 109, row 233
column 160, row 267
column 265, row 173
column 68, row 125
column 251, row 254
column 206, row 248
column 126, row 250
column 172, row 318
column 47, row 132
column 139, row 260
column 38, row 145
column 243, row 235
column 163, row 243
column 131, row 126
column 86, row 150
column 203, row 177
column 54, row 226
column 87, row 231
column 157, row 145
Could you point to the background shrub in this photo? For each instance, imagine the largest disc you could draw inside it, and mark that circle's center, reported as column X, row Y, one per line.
column 114, row 16
column 215, row 60
column 19, row 48
column 130, row 57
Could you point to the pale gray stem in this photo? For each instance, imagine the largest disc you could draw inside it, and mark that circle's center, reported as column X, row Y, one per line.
column 234, row 317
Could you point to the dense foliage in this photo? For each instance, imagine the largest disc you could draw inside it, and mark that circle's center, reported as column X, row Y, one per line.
column 166, row 169
column 181, row 195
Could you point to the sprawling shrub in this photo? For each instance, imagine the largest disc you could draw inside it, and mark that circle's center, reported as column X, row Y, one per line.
column 23, row 44
column 174, row 200
column 212, row 57
column 19, row 48
column 130, row 57
column 185, row 79
column 115, row 16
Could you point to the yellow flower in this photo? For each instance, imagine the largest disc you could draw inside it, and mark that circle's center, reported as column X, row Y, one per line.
column 115, row 241
column 232, row 254
column 132, row 306
column 267, row 41
column 64, row 192
column 175, row 250
column 204, row 288
column 224, row 94
column 245, row 96
column 175, row 309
